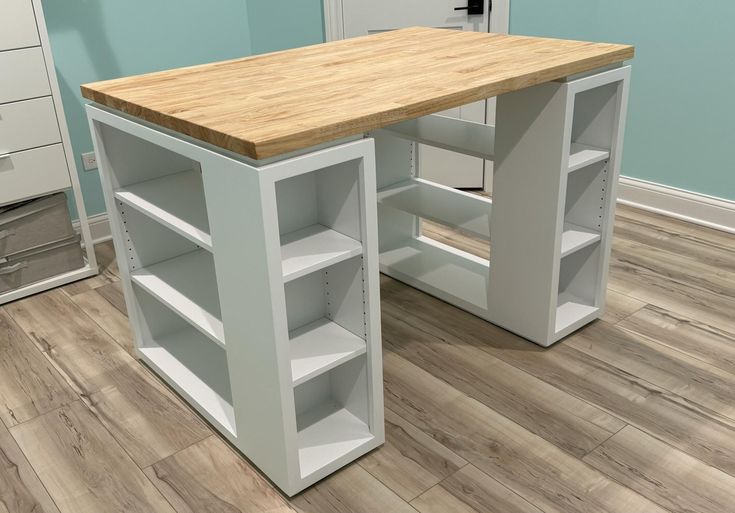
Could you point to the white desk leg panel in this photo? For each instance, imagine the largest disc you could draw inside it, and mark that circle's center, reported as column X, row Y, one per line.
column 253, row 290
column 557, row 158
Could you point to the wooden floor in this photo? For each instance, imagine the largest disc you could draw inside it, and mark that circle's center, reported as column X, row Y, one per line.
column 633, row 414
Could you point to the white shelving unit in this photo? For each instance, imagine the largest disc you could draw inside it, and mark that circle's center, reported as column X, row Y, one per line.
column 36, row 155
column 252, row 290
column 550, row 220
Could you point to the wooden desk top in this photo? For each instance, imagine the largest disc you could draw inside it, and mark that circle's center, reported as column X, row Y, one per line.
column 271, row 104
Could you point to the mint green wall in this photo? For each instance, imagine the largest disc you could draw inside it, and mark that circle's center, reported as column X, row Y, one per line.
column 100, row 39
column 680, row 129
column 277, row 25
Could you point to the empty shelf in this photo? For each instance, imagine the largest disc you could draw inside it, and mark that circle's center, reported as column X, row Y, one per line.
column 202, row 377
column 314, row 247
column 457, row 209
column 187, row 285
column 321, row 346
column 576, row 237
column 583, row 156
column 327, row 434
column 443, row 271
column 448, row 133
column 572, row 313
column 176, row 201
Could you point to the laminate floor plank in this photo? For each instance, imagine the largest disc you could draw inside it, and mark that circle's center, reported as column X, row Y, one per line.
column 694, row 338
column 672, row 479
column 109, row 271
column 113, row 293
column 29, row 384
column 20, row 489
column 471, row 491
column 410, row 462
column 692, row 428
column 658, row 278
column 533, row 468
column 209, row 477
column 83, row 467
column 672, row 370
column 618, row 306
column 106, row 314
column 148, row 419
column 351, row 490
column 563, row 419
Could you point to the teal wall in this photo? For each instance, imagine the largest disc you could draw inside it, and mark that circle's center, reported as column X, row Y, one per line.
column 277, row 25
column 680, row 130
column 101, row 39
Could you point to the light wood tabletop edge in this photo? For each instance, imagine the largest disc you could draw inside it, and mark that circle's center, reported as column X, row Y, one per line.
column 273, row 146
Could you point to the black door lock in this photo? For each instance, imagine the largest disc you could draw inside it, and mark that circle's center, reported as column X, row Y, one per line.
column 473, row 7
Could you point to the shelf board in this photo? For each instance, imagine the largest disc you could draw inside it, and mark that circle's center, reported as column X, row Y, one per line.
column 576, row 237
column 572, row 313
column 202, row 378
column 582, row 156
column 445, row 272
column 314, row 247
column 461, row 136
column 319, row 347
column 176, row 201
column 187, row 284
column 327, row 434
column 451, row 207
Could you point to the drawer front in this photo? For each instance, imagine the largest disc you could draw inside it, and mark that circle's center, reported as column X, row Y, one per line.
column 23, row 75
column 28, row 124
column 17, row 25
column 30, row 173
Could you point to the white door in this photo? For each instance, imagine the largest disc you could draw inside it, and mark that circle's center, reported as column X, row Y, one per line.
column 362, row 17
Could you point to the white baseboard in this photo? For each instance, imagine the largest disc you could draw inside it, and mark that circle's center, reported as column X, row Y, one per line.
column 688, row 206
column 99, row 225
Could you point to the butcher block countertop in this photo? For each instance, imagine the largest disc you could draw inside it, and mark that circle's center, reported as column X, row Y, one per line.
column 272, row 104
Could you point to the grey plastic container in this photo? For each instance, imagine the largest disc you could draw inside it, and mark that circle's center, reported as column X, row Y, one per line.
column 34, row 223
column 39, row 263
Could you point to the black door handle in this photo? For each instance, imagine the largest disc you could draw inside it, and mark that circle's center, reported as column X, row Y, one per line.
column 473, row 7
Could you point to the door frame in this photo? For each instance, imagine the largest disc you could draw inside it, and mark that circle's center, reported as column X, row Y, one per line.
column 334, row 23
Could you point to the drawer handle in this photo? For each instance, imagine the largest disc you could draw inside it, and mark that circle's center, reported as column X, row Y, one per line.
column 4, row 234
column 13, row 268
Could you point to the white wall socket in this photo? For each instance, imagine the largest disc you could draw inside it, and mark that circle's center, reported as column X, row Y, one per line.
column 89, row 160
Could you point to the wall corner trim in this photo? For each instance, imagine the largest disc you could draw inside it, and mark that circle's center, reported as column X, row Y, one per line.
column 688, row 206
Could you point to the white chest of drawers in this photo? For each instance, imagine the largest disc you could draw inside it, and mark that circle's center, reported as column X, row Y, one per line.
column 36, row 156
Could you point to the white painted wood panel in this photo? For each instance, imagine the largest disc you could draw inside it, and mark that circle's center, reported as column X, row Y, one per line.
column 176, row 201
column 23, row 75
column 457, row 209
column 28, row 124
column 313, row 248
column 319, row 347
column 188, row 286
column 30, row 173
column 17, row 25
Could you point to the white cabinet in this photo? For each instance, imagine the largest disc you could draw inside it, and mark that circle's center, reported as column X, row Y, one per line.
column 17, row 25
column 36, row 156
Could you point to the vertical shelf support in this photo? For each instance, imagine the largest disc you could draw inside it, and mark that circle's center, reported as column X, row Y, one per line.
column 209, row 306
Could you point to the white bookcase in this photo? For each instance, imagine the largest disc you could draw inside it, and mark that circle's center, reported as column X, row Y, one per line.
column 252, row 289
column 556, row 149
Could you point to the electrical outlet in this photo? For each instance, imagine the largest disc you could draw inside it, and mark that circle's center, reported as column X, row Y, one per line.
column 89, row 160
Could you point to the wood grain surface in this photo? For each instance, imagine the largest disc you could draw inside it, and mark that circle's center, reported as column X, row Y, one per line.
column 272, row 104
column 82, row 466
